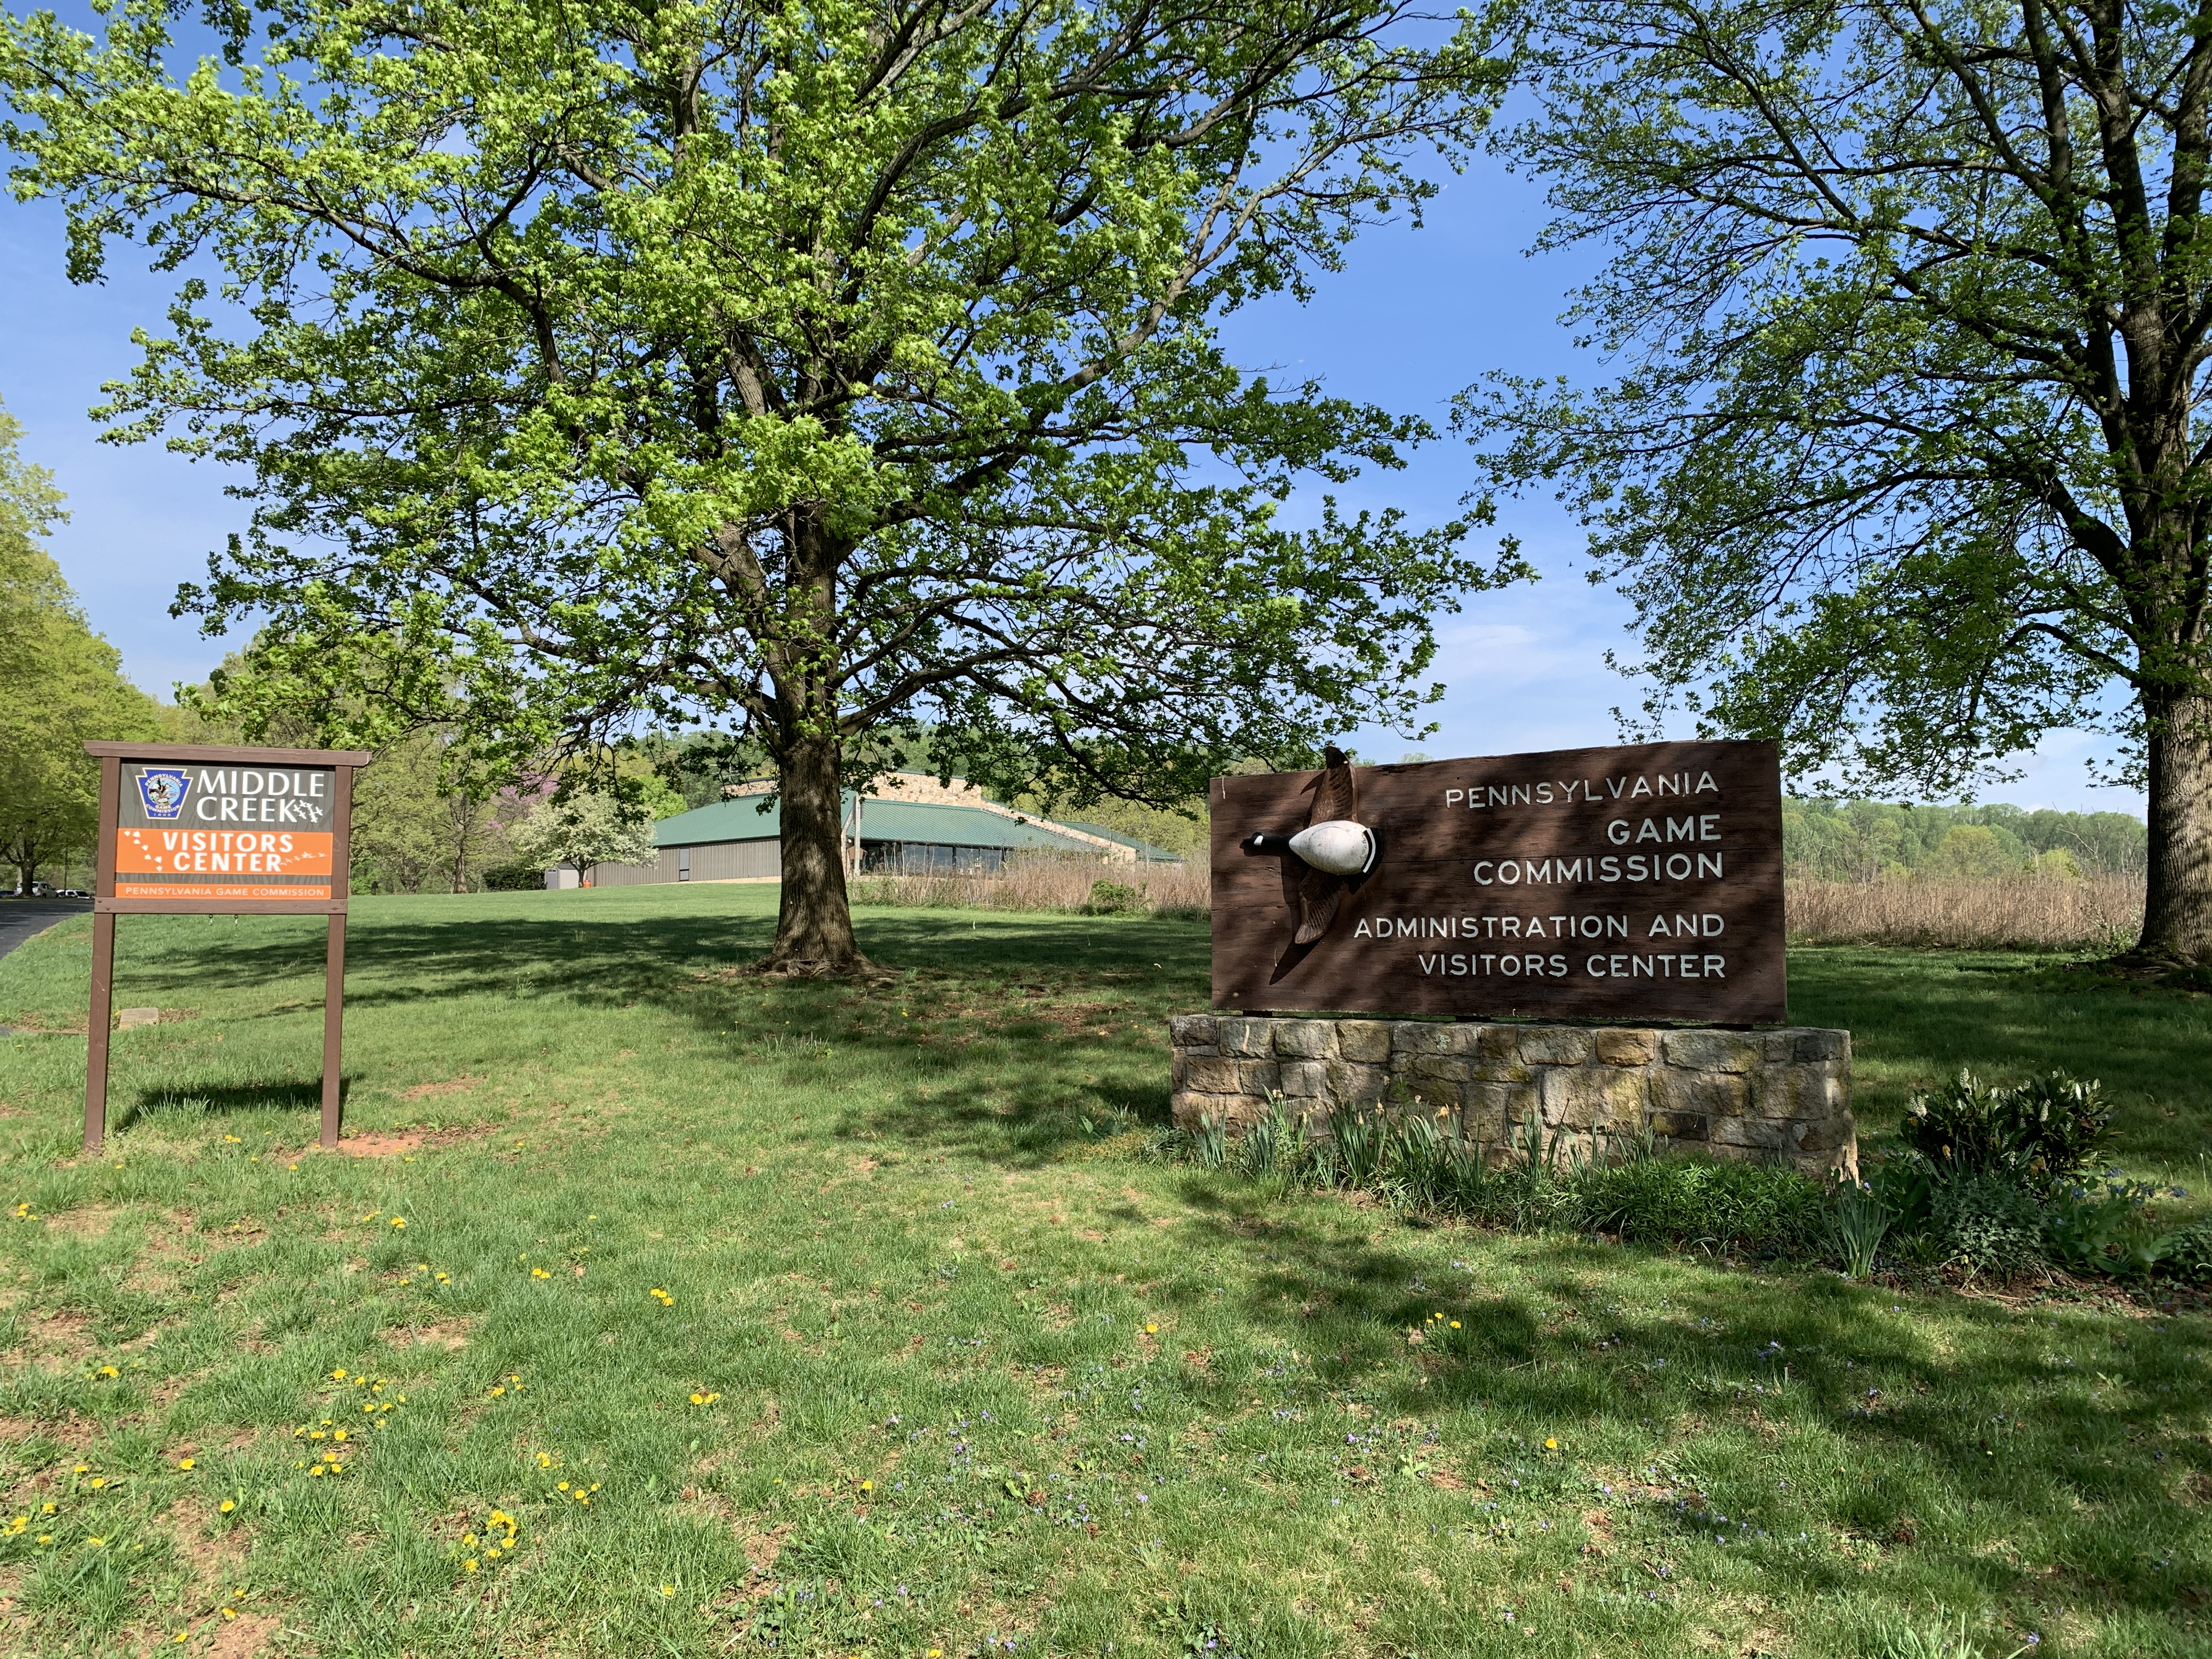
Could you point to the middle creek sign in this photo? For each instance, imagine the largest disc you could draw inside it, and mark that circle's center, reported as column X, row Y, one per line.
column 1636, row 883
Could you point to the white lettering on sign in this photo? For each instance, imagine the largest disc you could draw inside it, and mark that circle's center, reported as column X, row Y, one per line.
column 1552, row 791
column 249, row 795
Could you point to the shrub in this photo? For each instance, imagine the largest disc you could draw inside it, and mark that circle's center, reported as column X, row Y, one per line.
column 1112, row 898
column 513, row 878
column 2038, row 1135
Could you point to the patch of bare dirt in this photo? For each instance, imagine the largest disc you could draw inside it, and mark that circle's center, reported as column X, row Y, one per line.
column 245, row 1637
column 445, row 1333
column 62, row 1334
column 90, row 1222
column 405, row 1143
column 456, row 1086
column 213, row 1557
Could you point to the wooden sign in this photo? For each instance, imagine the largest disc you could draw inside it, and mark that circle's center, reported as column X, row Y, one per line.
column 1638, row 883
column 202, row 828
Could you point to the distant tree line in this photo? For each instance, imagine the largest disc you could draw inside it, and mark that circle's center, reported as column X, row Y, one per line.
column 1869, row 841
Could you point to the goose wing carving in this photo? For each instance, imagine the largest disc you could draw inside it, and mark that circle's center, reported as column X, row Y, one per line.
column 1335, row 796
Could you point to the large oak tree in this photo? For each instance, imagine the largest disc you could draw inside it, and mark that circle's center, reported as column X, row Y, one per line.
column 828, row 370
column 1912, row 303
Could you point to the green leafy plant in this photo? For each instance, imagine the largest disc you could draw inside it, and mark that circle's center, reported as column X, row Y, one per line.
column 1987, row 1225
column 1114, row 898
column 1857, row 1220
column 1361, row 1141
column 1209, row 1143
column 2038, row 1134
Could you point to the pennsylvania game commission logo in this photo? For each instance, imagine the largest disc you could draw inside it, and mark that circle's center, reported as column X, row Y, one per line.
column 162, row 790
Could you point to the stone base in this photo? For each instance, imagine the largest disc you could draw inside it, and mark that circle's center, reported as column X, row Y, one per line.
column 1782, row 1094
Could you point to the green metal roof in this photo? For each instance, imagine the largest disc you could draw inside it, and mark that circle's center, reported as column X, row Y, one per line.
column 880, row 820
column 1144, row 849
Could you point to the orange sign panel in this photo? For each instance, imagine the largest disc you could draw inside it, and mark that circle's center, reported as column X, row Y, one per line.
column 222, row 864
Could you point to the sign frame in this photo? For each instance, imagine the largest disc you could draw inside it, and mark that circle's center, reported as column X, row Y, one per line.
column 1508, row 886
column 106, row 906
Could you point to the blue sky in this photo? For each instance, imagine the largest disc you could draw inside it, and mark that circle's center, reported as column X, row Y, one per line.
column 1416, row 316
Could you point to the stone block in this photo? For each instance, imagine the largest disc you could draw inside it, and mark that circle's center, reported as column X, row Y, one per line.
column 1818, row 1044
column 1190, row 1111
column 1831, row 1136
column 1304, row 1079
column 1712, row 1051
column 1778, row 1048
column 1764, row 1134
column 1423, row 1036
column 1356, row 1085
column 1591, row 1096
column 1191, row 1030
column 1617, row 1048
column 1365, row 1041
column 1258, row 1076
column 1501, row 1044
column 1555, row 1045
column 1488, row 1110
column 1680, row 1126
column 1210, row 1075
column 1246, row 1039
column 1419, row 1068
column 1305, row 1039
column 1709, row 1094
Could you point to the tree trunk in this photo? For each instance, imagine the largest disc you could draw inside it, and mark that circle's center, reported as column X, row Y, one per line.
column 814, row 927
column 2178, row 899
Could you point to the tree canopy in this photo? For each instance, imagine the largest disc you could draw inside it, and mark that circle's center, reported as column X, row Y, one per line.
column 61, row 684
column 819, row 373
column 1910, row 310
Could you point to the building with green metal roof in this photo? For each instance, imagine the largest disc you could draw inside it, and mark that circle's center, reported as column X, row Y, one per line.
column 740, row 839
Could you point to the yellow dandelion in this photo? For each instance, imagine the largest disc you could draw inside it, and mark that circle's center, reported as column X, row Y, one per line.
column 398, row 1221
column 469, row 1565
column 96, row 1542
column 867, row 1486
column 230, row 1613
column 539, row 1273
column 227, row 1505
column 668, row 1590
column 1551, row 1445
column 187, row 1463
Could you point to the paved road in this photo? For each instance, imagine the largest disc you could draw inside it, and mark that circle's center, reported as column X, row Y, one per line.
column 20, row 918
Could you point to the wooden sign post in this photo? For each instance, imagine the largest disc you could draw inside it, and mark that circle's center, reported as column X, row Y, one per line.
column 207, row 829
column 1639, row 884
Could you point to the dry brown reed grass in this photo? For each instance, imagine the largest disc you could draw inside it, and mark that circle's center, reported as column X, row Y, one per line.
column 1063, row 884
column 2030, row 911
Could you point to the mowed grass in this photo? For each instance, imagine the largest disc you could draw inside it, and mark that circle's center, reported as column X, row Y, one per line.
column 932, row 1365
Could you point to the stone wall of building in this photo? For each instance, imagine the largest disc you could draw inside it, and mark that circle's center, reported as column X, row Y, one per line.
column 1784, row 1094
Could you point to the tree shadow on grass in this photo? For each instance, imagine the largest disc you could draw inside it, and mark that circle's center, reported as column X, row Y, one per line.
column 203, row 1101
column 1948, row 1443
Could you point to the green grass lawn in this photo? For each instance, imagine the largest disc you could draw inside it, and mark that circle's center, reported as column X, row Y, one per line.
column 810, row 1321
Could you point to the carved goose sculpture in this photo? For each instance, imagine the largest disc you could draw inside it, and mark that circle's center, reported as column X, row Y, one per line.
column 1333, row 846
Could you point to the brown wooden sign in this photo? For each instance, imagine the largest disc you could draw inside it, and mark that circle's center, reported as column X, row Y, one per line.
column 1641, row 883
column 203, row 829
